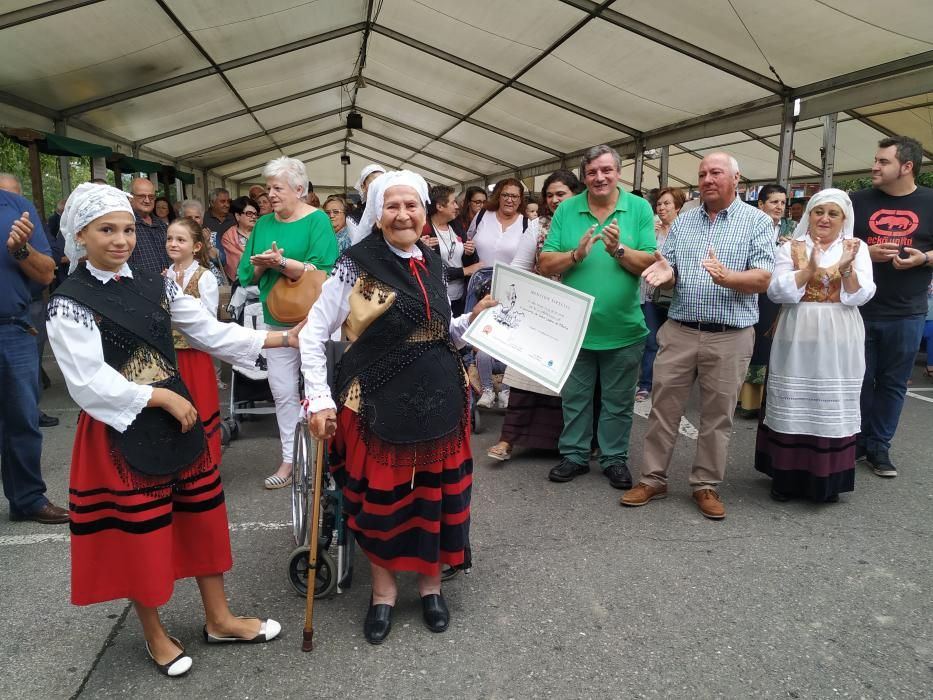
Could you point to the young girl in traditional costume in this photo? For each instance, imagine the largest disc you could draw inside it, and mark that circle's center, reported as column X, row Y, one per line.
column 147, row 504
column 188, row 249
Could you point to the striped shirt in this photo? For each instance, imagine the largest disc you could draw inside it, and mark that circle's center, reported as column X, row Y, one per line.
column 742, row 237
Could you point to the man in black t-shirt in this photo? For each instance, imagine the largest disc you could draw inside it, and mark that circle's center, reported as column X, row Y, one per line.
column 895, row 219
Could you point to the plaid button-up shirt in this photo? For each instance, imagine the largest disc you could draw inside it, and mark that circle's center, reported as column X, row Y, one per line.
column 742, row 237
column 150, row 252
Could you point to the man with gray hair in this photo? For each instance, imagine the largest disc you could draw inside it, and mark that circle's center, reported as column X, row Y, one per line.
column 717, row 257
column 151, row 232
column 218, row 219
column 600, row 241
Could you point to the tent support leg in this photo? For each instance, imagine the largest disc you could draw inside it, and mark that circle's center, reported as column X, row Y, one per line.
column 828, row 151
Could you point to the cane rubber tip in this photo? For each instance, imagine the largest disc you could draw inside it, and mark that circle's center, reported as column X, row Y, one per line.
column 307, row 642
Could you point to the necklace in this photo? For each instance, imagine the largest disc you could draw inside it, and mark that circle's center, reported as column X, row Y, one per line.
column 450, row 244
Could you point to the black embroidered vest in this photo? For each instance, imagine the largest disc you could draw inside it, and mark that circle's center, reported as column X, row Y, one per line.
column 408, row 373
column 136, row 335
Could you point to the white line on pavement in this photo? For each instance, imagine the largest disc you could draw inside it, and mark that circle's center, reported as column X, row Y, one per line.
column 917, row 396
column 42, row 538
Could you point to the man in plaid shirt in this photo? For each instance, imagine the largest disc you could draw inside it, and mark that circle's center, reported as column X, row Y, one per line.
column 150, row 230
column 717, row 257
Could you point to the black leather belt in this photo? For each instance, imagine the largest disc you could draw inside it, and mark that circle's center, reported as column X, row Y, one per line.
column 709, row 327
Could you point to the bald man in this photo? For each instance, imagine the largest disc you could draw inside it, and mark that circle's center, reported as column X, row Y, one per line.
column 717, row 258
column 10, row 183
column 150, row 230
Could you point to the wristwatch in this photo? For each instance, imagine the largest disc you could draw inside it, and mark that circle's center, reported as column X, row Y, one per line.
column 283, row 263
column 620, row 252
column 284, row 339
column 21, row 253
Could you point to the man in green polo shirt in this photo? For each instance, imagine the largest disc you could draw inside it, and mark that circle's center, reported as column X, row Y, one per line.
column 599, row 242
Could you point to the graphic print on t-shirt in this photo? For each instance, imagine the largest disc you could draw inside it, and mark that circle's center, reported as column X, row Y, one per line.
column 887, row 224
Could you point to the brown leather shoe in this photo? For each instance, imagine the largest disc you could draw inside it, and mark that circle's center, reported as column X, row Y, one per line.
column 710, row 504
column 49, row 514
column 642, row 493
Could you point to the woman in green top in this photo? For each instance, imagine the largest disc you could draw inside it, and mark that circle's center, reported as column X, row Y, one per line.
column 293, row 238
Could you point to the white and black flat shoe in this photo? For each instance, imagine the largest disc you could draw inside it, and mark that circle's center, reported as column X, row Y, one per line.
column 277, row 482
column 178, row 666
column 268, row 630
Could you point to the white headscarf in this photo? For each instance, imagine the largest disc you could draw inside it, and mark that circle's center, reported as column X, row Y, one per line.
column 377, row 190
column 828, row 196
column 86, row 203
column 365, row 173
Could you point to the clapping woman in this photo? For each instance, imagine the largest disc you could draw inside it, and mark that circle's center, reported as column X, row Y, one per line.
column 806, row 442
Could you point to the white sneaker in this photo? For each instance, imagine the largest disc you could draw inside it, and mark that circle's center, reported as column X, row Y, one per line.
column 503, row 398
column 487, row 399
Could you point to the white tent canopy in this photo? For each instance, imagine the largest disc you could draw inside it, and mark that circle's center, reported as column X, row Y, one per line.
column 469, row 91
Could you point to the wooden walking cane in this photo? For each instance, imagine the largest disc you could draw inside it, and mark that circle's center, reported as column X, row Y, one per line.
column 307, row 641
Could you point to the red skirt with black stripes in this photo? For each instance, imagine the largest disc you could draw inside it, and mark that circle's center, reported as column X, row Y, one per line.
column 197, row 372
column 133, row 536
column 405, row 524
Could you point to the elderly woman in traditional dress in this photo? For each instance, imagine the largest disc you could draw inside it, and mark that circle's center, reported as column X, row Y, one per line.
column 147, row 503
column 806, row 441
column 296, row 238
column 398, row 411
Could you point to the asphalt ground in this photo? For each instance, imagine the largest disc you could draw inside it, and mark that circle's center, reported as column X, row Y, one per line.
column 571, row 595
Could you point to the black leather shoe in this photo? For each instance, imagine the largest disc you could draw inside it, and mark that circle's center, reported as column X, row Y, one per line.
column 618, row 475
column 567, row 470
column 46, row 421
column 49, row 514
column 378, row 623
column 436, row 614
column 778, row 496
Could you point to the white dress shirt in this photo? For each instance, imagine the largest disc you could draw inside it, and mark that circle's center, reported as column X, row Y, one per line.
column 207, row 286
column 102, row 391
column 326, row 317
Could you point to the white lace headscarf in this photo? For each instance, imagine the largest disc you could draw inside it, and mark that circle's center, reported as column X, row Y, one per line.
column 86, row 203
column 377, row 190
column 828, row 196
column 365, row 173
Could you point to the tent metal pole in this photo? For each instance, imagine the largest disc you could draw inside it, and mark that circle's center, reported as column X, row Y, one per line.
column 64, row 162
column 665, row 166
column 786, row 152
column 35, row 175
column 639, row 166
column 828, row 151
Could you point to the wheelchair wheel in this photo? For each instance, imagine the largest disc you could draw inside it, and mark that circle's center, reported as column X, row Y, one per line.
column 325, row 579
column 477, row 420
column 302, row 482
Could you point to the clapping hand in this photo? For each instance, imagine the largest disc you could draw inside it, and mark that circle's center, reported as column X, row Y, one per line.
column 883, row 252
column 659, row 273
column 429, row 241
column 715, row 268
column 469, row 247
column 20, row 233
column 586, row 242
column 610, row 236
column 850, row 248
column 268, row 258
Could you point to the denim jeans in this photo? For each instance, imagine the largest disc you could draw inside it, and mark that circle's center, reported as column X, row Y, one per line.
column 20, row 439
column 890, row 349
column 486, row 366
column 654, row 316
column 928, row 334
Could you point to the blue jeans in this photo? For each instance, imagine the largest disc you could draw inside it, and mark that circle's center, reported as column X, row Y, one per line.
column 890, row 349
column 20, row 439
column 928, row 334
column 486, row 366
column 654, row 316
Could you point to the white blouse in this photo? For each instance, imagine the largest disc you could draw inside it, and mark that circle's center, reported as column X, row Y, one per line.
column 207, row 286
column 511, row 246
column 783, row 288
column 326, row 317
column 102, row 391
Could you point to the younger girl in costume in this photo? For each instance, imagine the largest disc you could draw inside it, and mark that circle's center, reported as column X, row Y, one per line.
column 188, row 249
column 147, row 504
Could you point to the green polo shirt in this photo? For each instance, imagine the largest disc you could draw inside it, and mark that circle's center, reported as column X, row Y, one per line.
column 617, row 320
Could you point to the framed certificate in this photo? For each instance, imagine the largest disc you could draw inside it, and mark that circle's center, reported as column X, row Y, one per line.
column 537, row 328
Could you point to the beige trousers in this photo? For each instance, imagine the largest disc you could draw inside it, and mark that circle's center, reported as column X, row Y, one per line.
column 719, row 361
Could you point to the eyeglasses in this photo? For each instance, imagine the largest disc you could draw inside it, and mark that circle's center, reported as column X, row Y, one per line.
column 143, row 196
column 477, row 201
column 510, row 196
column 332, row 212
column 251, row 214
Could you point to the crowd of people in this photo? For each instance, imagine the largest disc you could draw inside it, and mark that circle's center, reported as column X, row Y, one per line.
column 811, row 325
